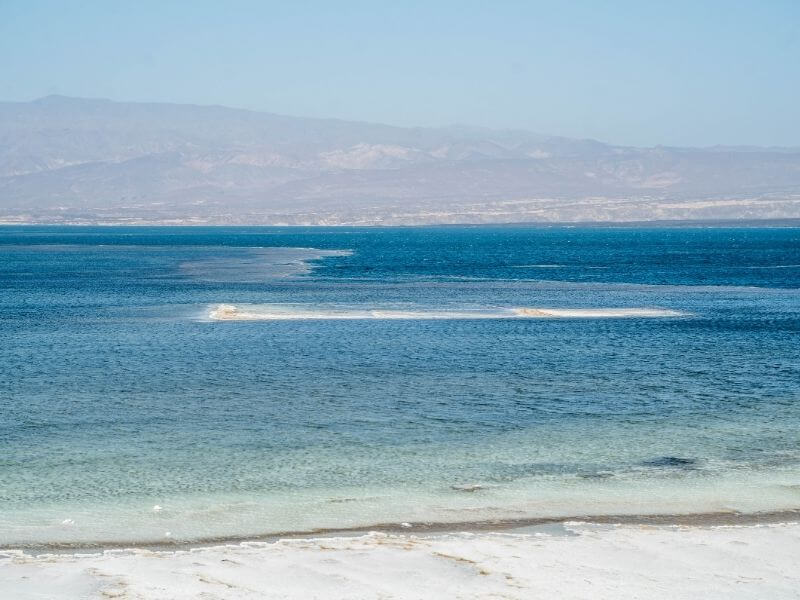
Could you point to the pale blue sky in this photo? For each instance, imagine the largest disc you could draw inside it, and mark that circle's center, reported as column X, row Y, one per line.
column 638, row 72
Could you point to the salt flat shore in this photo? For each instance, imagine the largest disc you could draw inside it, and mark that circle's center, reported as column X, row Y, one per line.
column 569, row 560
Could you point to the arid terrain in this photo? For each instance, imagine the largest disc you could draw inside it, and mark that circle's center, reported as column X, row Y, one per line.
column 70, row 160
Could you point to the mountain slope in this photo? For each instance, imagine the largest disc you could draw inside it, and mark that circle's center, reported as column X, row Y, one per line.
column 76, row 160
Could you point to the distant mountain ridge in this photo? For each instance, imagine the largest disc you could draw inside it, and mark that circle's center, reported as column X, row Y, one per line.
column 78, row 160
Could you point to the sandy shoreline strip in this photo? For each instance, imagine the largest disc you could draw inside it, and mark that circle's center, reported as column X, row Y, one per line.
column 582, row 560
column 700, row 519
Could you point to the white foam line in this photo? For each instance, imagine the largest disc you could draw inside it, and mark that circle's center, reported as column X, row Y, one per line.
column 775, row 267
column 544, row 266
column 229, row 312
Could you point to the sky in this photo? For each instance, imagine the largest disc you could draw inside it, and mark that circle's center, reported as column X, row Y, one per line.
column 645, row 72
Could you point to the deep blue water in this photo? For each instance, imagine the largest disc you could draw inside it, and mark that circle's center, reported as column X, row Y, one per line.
column 119, row 394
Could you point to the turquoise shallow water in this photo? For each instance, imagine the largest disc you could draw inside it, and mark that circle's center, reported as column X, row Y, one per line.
column 128, row 413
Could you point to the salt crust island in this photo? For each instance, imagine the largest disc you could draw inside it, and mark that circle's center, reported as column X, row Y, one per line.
column 230, row 312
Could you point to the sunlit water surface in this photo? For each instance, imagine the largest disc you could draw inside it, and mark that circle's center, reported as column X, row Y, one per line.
column 390, row 376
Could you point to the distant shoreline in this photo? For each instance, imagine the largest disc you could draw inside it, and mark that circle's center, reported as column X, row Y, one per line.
column 655, row 224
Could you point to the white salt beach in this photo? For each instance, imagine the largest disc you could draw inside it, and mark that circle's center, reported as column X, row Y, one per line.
column 582, row 560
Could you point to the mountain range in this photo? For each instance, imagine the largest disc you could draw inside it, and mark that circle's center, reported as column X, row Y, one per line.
column 74, row 160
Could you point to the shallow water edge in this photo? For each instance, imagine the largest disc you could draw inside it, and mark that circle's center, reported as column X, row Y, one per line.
column 522, row 525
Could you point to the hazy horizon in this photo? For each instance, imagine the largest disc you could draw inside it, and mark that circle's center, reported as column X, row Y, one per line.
column 624, row 73
column 445, row 126
column 72, row 160
column 371, row 113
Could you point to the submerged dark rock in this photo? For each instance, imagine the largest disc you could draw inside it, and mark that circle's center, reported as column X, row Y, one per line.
column 671, row 461
column 596, row 475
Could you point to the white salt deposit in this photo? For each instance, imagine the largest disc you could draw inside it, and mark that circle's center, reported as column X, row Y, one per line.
column 593, row 561
column 277, row 312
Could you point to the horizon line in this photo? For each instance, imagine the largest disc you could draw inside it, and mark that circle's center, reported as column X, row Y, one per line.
column 451, row 126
